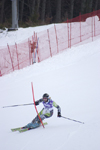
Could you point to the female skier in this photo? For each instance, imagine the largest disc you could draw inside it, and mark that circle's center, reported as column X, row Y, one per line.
column 46, row 112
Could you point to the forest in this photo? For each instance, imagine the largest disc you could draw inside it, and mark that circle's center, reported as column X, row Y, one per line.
column 40, row 12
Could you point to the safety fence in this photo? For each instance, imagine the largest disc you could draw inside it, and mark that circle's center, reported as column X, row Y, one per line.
column 18, row 56
column 67, row 34
column 47, row 43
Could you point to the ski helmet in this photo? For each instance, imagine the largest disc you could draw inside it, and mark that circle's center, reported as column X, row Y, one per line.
column 46, row 95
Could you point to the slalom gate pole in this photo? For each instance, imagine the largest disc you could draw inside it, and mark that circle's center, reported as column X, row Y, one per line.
column 35, row 105
column 72, row 119
column 18, row 105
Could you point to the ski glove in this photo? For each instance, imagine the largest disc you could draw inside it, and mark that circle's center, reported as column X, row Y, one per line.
column 37, row 103
column 59, row 114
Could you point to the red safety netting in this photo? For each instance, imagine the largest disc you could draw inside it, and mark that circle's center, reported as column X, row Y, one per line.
column 44, row 51
column 67, row 34
column 47, row 43
column 17, row 56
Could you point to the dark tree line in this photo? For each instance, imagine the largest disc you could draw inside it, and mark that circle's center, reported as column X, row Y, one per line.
column 36, row 12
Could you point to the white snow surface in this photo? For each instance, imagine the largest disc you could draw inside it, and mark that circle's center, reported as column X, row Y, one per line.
column 72, row 79
column 20, row 35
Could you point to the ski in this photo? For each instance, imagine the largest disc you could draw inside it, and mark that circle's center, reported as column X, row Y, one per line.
column 26, row 129
column 15, row 129
column 21, row 129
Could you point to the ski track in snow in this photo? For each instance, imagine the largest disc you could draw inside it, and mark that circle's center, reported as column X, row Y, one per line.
column 54, row 145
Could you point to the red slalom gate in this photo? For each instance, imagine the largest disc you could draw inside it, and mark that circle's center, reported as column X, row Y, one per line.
column 35, row 105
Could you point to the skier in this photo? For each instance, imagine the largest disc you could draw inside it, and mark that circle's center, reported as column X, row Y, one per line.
column 46, row 112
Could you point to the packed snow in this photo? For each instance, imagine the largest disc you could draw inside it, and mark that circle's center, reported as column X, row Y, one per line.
column 72, row 79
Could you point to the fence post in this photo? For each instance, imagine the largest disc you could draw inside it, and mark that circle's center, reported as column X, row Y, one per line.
column 29, row 52
column 68, row 34
column 10, row 57
column 80, row 29
column 0, row 74
column 35, row 47
column 56, row 38
column 36, row 51
column 17, row 55
column 49, row 42
column 92, row 26
column 94, row 23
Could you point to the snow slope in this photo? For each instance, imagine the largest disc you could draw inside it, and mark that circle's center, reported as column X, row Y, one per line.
column 72, row 79
column 21, row 34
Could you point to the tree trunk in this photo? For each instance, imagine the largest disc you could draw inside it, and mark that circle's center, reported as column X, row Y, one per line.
column 71, row 9
column 96, row 5
column 83, row 5
column 33, row 7
column 43, row 11
column 38, row 5
column 2, row 11
column 48, row 18
column 22, row 8
column 58, row 11
column 90, row 6
column 49, row 8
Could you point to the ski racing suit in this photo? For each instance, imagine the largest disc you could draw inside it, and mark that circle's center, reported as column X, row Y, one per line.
column 46, row 112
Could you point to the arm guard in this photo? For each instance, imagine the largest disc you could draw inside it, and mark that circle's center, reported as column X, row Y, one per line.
column 57, row 106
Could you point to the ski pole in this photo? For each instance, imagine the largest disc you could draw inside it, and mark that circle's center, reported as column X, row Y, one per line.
column 72, row 120
column 18, row 105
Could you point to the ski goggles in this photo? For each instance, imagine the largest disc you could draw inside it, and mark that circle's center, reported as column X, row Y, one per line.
column 45, row 98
